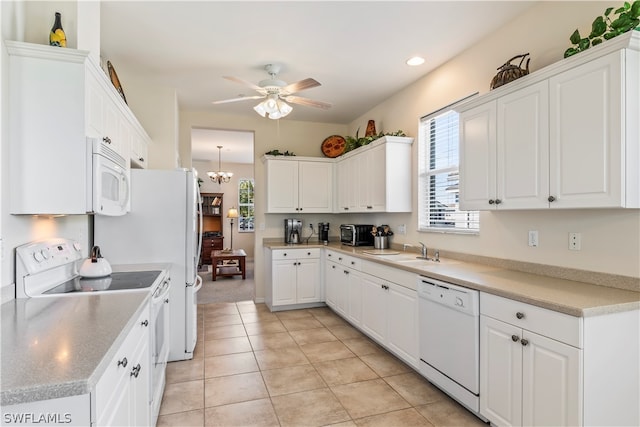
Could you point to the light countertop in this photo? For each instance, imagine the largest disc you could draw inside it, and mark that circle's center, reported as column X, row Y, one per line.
column 59, row 346
column 571, row 297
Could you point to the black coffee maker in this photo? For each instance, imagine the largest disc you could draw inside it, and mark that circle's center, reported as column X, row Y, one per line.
column 323, row 232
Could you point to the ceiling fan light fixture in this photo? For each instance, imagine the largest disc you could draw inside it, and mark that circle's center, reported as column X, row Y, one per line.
column 260, row 109
column 273, row 107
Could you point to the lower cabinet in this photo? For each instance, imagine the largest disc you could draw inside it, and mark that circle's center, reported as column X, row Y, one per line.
column 380, row 307
column 528, row 379
column 122, row 394
column 390, row 316
column 294, row 278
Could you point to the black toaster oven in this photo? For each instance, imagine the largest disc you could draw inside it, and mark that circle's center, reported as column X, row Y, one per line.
column 356, row 234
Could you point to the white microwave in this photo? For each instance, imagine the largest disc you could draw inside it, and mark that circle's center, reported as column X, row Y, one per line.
column 109, row 191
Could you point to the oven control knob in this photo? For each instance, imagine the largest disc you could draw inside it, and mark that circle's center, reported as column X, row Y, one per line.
column 45, row 254
column 77, row 246
column 38, row 256
column 459, row 302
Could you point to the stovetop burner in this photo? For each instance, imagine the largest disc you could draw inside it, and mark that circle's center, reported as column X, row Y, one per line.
column 117, row 281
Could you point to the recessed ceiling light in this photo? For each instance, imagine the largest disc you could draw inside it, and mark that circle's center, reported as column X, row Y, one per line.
column 416, row 60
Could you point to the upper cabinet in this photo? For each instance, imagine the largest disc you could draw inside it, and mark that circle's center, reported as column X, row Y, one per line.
column 566, row 136
column 299, row 184
column 59, row 96
column 376, row 178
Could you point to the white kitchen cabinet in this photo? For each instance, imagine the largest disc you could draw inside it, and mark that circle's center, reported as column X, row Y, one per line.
column 505, row 152
column 566, row 136
column 294, row 278
column 58, row 98
column 403, row 323
column 379, row 177
column 122, row 394
column 374, row 308
column 299, row 185
column 343, row 286
column 589, row 112
column 527, row 378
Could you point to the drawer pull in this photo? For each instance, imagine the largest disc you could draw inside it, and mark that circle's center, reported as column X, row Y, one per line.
column 135, row 371
column 309, row 253
column 551, row 199
column 520, row 315
column 515, row 338
column 345, row 271
column 145, row 323
column 123, row 362
column 524, row 342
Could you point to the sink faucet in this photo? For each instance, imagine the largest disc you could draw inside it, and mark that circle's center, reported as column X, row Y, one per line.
column 405, row 246
column 423, row 251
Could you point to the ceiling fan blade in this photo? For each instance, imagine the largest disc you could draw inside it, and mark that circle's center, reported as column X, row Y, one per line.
column 243, row 82
column 306, row 101
column 242, row 98
column 298, row 86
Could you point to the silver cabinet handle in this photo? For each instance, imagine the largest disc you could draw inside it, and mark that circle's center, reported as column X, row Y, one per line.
column 123, row 362
column 515, row 338
column 524, row 342
column 145, row 323
column 107, row 139
column 136, row 370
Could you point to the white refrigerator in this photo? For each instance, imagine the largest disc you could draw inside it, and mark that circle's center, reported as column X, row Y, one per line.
column 164, row 226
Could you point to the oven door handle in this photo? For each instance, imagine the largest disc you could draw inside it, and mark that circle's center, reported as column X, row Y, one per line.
column 198, row 284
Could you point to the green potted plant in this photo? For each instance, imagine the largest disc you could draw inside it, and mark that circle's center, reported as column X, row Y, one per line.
column 606, row 27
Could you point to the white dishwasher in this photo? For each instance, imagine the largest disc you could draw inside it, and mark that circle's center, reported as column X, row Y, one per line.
column 450, row 339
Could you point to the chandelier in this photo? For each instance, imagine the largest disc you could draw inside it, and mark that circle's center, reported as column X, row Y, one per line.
column 273, row 107
column 220, row 176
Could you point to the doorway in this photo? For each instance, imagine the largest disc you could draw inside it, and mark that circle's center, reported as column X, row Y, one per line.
column 228, row 151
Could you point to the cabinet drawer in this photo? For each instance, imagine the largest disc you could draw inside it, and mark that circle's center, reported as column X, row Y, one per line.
column 115, row 371
column 296, row 253
column 344, row 260
column 558, row 326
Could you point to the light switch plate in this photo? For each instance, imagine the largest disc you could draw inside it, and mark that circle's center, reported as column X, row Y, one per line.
column 533, row 238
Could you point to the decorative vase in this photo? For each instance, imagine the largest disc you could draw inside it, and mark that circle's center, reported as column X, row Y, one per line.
column 57, row 37
column 371, row 128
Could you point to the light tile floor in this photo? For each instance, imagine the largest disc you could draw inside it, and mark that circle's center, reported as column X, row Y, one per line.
column 296, row 368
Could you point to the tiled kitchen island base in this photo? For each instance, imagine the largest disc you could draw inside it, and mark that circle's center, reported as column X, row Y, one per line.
column 302, row 367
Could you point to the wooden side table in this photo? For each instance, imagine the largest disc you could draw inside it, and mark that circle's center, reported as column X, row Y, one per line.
column 218, row 256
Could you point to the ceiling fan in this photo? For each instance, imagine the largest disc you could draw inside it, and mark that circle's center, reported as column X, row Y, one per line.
column 274, row 92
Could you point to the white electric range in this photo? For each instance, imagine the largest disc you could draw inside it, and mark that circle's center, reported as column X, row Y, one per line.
column 50, row 268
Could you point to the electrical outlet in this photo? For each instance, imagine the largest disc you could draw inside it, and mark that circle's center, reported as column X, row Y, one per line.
column 262, row 226
column 575, row 243
column 533, row 238
column 402, row 229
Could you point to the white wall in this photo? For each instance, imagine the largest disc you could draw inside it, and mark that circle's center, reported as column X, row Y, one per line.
column 610, row 238
column 17, row 230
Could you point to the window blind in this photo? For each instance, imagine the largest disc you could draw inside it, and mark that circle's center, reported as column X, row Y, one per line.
column 438, row 182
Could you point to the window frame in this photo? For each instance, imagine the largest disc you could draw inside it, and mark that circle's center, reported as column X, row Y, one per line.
column 248, row 205
column 430, row 177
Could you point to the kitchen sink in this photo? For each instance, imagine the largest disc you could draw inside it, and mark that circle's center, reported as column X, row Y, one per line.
column 419, row 262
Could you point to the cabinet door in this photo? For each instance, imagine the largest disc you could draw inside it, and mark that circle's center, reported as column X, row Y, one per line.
column 94, row 107
column 315, row 192
column 331, row 278
column 377, row 179
column 342, row 291
column 403, row 323
column 354, row 297
column 308, row 280
column 523, row 148
column 586, row 139
column 282, row 186
column 284, row 282
column 139, row 408
column 344, row 186
column 374, row 308
column 500, row 372
column 551, row 383
column 364, row 184
column 478, row 157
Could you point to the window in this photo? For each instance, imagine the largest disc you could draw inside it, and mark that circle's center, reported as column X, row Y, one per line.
column 246, row 211
column 438, row 193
